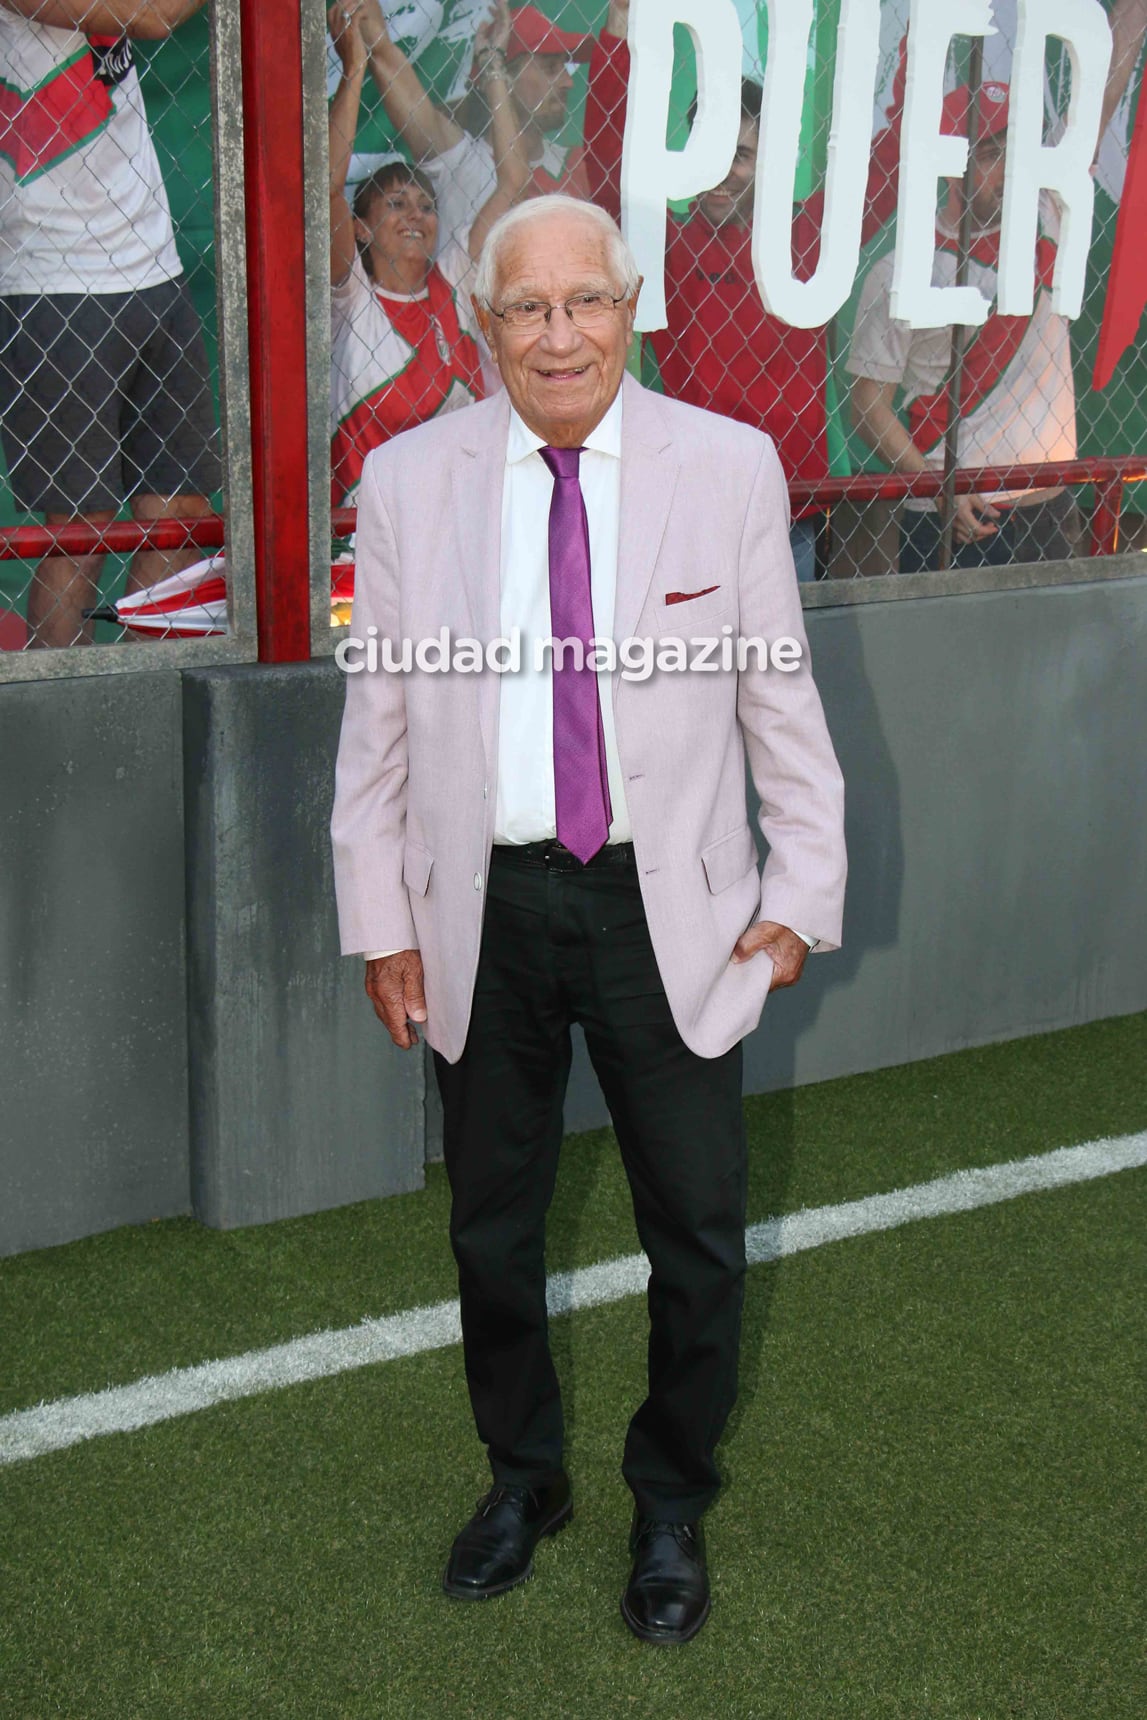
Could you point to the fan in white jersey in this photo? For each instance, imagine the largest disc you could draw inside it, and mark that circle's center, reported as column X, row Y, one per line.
column 105, row 394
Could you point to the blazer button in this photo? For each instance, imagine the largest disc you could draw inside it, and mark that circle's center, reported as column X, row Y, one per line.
column 485, row 790
column 477, row 880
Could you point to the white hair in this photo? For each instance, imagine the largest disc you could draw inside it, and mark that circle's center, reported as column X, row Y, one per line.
column 619, row 257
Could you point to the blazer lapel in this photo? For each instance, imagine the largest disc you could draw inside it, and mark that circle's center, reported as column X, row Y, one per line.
column 649, row 469
column 476, row 480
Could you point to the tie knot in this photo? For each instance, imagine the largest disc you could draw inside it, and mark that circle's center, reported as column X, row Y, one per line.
column 562, row 462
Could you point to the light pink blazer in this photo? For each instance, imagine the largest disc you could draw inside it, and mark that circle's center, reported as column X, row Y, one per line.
column 703, row 503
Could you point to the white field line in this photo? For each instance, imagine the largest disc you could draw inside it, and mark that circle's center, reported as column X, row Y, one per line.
column 54, row 1426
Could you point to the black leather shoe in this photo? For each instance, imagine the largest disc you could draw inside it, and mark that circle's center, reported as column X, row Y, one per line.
column 495, row 1551
column 668, row 1595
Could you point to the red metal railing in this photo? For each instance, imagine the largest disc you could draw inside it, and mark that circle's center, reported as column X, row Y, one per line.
column 122, row 537
column 1108, row 475
column 272, row 54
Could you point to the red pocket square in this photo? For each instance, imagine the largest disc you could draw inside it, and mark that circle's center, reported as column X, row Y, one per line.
column 688, row 596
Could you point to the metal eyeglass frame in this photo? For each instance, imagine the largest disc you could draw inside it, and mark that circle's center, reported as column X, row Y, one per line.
column 563, row 304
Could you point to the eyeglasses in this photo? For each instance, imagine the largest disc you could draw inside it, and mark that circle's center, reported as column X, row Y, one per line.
column 585, row 310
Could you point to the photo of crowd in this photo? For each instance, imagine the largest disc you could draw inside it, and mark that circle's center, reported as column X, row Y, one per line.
column 443, row 115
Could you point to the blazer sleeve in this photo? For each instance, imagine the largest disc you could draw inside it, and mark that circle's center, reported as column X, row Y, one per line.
column 791, row 759
column 368, row 821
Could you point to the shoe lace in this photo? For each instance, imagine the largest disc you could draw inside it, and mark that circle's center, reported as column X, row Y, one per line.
column 649, row 1528
column 503, row 1493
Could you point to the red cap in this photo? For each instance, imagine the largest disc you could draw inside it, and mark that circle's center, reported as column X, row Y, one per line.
column 993, row 115
column 531, row 32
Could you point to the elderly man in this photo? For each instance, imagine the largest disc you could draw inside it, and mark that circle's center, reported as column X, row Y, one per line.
column 540, row 848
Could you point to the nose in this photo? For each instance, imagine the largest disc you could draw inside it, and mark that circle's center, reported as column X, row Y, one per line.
column 560, row 335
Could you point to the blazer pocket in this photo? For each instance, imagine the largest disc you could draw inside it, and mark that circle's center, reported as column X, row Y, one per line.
column 416, row 865
column 690, row 596
column 697, row 616
column 728, row 859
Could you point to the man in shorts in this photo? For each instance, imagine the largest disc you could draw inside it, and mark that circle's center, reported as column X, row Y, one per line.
column 105, row 393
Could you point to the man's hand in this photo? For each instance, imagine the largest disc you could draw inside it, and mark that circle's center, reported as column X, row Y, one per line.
column 394, row 985
column 498, row 27
column 491, row 39
column 372, row 23
column 975, row 519
column 343, row 24
column 788, row 952
column 875, row 417
column 617, row 21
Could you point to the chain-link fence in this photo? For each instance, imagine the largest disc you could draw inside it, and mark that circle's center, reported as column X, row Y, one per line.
column 109, row 396
column 442, row 114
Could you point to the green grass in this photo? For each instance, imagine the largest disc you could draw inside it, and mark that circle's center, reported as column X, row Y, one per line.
column 150, row 1297
column 935, row 1470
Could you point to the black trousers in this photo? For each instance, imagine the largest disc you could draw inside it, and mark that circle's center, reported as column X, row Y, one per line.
column 558, row 946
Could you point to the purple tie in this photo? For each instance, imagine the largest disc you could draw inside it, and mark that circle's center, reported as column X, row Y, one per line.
column 581, row 780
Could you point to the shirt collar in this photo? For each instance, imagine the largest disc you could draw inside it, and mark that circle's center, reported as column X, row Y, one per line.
column 605, row 438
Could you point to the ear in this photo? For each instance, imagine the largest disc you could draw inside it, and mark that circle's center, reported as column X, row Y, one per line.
column 362, row 232
column 631, row 307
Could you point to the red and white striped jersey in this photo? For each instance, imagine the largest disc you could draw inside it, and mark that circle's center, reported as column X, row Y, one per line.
column 397, row 360
column 1018, row 395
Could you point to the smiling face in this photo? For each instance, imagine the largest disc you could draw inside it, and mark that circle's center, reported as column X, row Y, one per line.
column 560, row 379
column 541, row 85
column 400, row 229
column 732, row 200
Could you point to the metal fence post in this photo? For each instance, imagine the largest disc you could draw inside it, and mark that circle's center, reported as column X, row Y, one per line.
column 1105, row 517
column 273, row 160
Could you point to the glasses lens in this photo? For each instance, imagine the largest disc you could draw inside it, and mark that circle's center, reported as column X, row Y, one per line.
column 585, row 309
column 526, row 314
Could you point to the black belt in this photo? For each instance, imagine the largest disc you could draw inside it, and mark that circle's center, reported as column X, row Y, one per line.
column 557, row 857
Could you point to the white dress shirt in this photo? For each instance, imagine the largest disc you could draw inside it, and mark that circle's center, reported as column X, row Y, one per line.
column 526, row 805
column 526, row 809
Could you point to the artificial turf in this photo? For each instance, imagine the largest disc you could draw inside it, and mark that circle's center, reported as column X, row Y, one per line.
column 150, row 1297
column 935, row 1470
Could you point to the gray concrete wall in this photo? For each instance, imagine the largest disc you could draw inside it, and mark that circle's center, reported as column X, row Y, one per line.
column 93, row 1042
column 298, row 1099
column 993, row 747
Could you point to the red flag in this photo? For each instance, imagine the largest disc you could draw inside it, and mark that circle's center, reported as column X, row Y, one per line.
column 1127, row 283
